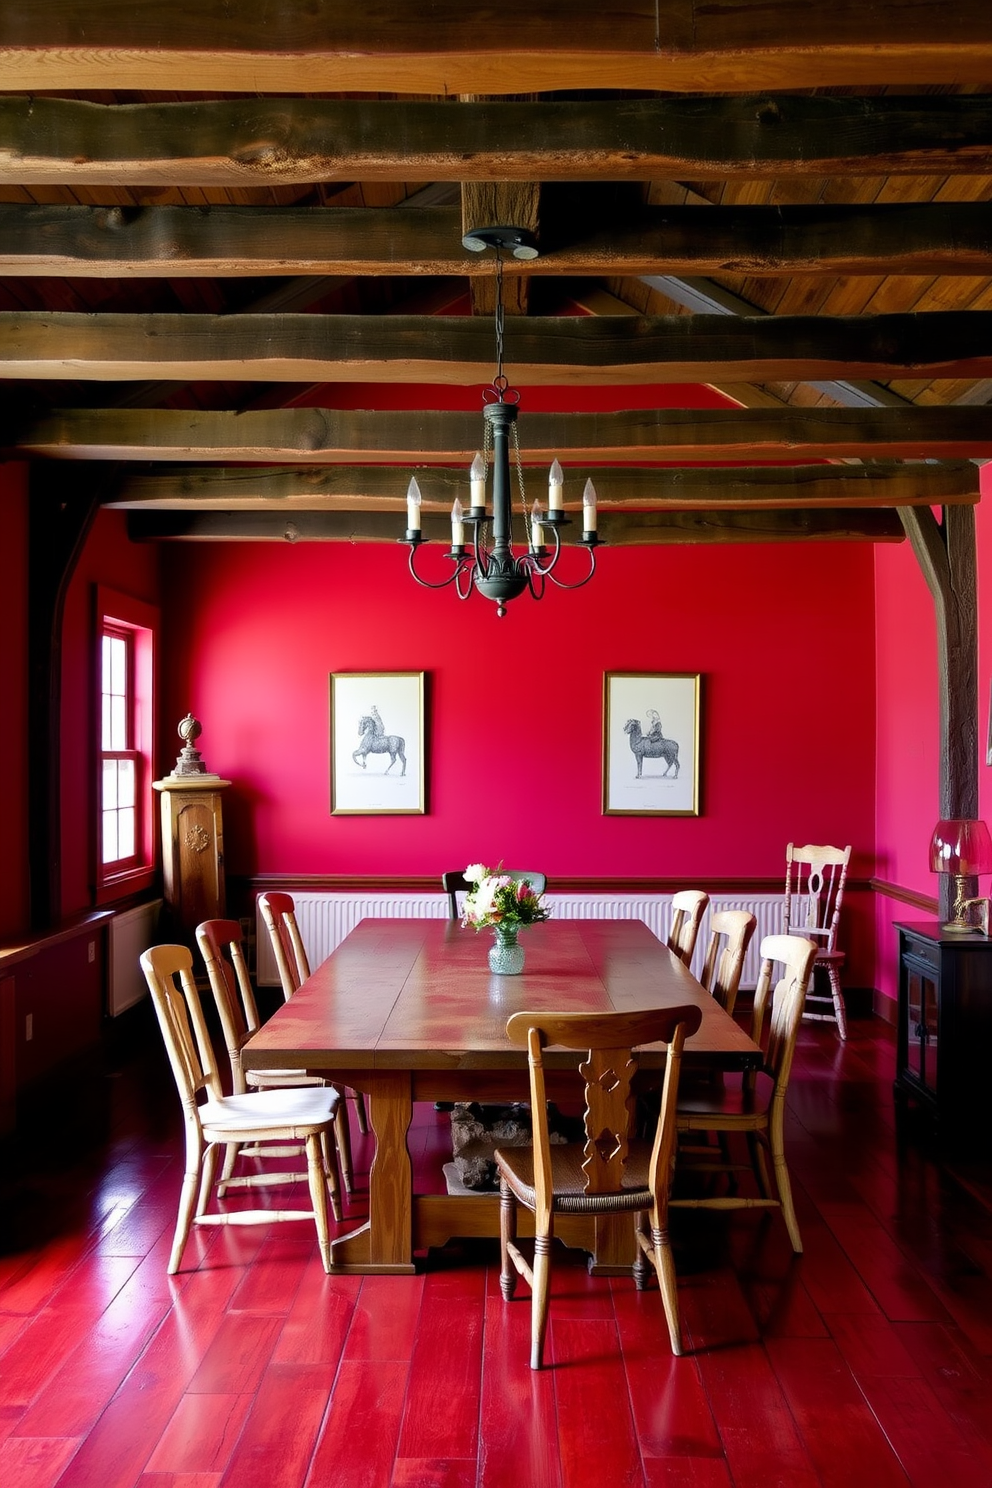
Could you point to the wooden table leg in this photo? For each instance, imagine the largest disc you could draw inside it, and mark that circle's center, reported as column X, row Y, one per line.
column 385, row 1242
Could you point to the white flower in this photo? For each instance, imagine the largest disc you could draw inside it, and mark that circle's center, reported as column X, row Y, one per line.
column 475, row 872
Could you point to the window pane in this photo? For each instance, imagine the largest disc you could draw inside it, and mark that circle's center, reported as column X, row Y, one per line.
column 106, row 644
column 106, row 744
column 110, row 853
column 125, row 833
column 118, row 666
column 109, row 801
column 125, row 784
column 118, row 723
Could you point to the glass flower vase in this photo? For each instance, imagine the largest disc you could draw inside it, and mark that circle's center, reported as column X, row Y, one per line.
column 506, row 955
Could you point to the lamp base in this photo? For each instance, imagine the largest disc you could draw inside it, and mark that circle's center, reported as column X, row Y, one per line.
column 960, row 927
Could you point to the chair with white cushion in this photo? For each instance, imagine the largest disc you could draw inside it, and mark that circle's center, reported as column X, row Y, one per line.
column 213, row 1120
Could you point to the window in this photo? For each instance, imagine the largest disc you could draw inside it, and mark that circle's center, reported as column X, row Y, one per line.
column 124, row 817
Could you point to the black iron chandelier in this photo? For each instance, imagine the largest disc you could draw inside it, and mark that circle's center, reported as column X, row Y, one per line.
column 487, row 562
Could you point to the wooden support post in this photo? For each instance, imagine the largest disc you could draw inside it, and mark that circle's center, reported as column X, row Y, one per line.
column 946, row 554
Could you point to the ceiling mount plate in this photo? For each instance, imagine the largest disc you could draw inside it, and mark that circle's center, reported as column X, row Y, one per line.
column 514, row 240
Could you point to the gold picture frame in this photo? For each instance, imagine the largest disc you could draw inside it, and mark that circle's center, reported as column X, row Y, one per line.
column 377, row 744
column 651, row 743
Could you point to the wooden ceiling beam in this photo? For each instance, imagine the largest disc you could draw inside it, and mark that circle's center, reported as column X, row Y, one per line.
column 322, row 436
column 266, row 141
column 529, row 46
column 458, row 350
column 618, row 529
column 575, row 239
column 382, row 488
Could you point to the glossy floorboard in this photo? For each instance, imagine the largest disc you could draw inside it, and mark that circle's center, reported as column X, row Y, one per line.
column 866, row 1362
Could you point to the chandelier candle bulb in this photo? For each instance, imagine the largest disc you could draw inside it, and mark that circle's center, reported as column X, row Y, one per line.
column 477, row 482
column 457, row 525
column 413, row 506
column 536, row 530
column 555, row 483
column 589, row 507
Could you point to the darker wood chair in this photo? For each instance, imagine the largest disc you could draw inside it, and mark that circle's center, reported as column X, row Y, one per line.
column 455, row 883
column 611, row 1171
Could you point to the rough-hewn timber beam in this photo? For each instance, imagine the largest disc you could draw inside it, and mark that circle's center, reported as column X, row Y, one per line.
column 538, row 45
column 382, row 488
column 893, row 238
column 618, row 529
column 322, row 436
column 261, row 141
column 459, row 350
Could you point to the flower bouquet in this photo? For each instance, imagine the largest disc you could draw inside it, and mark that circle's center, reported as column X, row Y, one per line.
column 504, row 904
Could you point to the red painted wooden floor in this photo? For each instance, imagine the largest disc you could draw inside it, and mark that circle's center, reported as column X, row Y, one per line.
column 867, row 1361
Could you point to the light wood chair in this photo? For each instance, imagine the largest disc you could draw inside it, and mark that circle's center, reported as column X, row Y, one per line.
column 814, row 891
column 221, row 946
column 454, row 883
column 688, row 908
column 218, row 1120
column 611, row 1171
column 731, row 931
column 757, row 1107
column 279, row 914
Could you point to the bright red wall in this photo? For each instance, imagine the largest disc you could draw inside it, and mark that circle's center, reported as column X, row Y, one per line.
column 252, row 632
column 13, row 688
column 108, row 558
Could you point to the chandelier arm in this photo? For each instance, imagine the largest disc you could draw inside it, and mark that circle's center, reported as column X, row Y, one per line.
column 580, row 583
column 535, row 580
column 544, row 569
column 430, row 583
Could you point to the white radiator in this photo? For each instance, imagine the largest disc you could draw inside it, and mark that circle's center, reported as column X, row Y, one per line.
column 325, row 919
column 131, row 932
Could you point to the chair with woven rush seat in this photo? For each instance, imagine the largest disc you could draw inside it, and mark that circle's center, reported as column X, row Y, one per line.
column 757, row 1107
column 814, row 891
column 688, row 908
column 218, row 1120
column 279, row 913
column 221, row 945
column 454, row 883
column 610, row 1172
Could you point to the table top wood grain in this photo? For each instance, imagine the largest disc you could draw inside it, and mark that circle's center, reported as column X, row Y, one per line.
column 402, row 994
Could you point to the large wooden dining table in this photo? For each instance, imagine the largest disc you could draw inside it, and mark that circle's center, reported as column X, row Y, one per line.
column 407, row 1010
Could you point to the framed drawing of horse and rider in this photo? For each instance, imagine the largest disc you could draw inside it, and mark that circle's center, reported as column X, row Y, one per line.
column 377, row 744
column 651, row 741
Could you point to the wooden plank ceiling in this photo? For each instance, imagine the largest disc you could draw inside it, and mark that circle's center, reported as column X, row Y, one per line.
column 228, row 247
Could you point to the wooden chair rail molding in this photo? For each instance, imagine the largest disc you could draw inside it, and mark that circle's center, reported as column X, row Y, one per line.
column 925, row 902
column 42, row 940
column 339, row 883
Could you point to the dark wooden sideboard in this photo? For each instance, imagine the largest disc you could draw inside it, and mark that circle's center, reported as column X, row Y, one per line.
column 945, row 1029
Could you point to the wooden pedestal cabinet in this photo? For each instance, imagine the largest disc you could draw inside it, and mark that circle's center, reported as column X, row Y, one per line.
column 192, row 849
column 945, row 1029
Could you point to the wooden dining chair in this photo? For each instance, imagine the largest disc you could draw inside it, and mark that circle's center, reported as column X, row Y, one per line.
column 454, row 883
column 611, row 1171
column 688, row 908
column 279, row 913
column 757, row 1106
column 221, row 946
column 214, row 1121
column 814, row 891
column 731, row 931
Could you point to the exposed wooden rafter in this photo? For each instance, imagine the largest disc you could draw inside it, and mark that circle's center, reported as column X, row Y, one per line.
column 537, row 45
column 323, row 436
column 382, row 488
column 262, row 141
column 459, row 350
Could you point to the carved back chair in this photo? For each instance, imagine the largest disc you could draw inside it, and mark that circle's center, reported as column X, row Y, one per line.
column 214, row 1121
column 454, row 883
column 814, row 891
column 688, row 908
column 757, row 1107
column 610, row 1171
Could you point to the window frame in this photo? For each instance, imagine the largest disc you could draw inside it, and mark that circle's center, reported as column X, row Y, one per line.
column 138, row 623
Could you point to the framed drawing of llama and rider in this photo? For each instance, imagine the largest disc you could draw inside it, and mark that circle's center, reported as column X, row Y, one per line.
column 651, row 738
column 377, row 744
